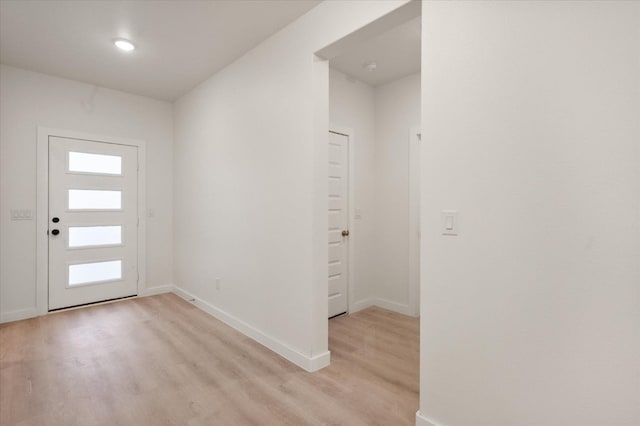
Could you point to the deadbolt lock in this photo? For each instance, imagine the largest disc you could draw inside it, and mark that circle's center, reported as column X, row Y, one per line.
column 345, row 233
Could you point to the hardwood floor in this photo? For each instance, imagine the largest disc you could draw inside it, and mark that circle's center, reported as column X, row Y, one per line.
column 161, row 361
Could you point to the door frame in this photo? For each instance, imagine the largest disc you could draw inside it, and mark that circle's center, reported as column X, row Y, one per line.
column 42, row 207
column 350, row 134
column 415, row 143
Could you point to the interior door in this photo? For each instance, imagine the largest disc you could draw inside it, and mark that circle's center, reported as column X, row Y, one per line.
column 338, row 222
column 93, row 221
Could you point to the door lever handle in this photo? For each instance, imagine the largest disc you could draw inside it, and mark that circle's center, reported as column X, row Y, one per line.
column 345, row 233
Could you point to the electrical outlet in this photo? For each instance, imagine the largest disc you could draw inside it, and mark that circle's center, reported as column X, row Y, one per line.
column 218, row 284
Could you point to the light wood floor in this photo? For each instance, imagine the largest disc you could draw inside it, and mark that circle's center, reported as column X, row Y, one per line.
column 161, row 361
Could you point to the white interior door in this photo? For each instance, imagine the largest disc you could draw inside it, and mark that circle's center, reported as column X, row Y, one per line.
column 93, row 221
column 338, row 222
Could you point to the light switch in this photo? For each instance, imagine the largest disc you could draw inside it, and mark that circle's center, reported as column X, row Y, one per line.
column 21, row 214
column 449, row 222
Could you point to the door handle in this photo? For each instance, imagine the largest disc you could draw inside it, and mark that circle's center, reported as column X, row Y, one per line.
column 345, row 233
column 55, row 231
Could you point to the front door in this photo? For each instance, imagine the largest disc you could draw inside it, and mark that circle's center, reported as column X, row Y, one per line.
column 93, row 221
column 338, row 222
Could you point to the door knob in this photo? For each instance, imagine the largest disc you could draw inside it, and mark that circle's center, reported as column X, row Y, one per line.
column 55, row 220
column 345, row 233
column 55, row 232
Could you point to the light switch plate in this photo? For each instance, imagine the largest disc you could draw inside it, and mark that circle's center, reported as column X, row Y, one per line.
column 449, row 222
column 21, row 214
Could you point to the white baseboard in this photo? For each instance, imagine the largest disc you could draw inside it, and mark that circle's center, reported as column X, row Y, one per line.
column 360, row 305
column 152, row 291
column 421, row 420
column 305, row 362
column 318, row 362
column 18, row 315
column 27, row 313
column 393, row 306
column 382, row 303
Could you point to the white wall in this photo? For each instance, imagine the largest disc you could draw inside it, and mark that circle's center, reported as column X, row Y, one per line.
column 352, row 105
column 251, row 139
column 531, row 130
column 29, row 100
column 397, row 106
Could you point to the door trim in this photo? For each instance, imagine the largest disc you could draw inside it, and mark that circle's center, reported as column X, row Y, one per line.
column 414, row 220
column 42, row 207
column 349, row 133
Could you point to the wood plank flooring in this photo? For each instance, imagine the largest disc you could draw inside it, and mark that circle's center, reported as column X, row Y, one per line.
column 161, row 361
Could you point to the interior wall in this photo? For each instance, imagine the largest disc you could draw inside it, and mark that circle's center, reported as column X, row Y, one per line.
column 29, row 100
column 397, row 109
column 352, row 105
column 248, row 138
column 531, row 315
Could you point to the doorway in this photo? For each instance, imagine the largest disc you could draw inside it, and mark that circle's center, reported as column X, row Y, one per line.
column 374, row 89
column 91, row 248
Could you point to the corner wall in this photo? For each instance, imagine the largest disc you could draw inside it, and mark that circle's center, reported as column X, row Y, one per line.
column 397, row 105
column 531, row 316
column 29, row 100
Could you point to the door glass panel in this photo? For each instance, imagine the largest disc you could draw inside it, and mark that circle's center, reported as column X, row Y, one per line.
column 90, row 236
column 95, row 163
column 86, row 273
column 93, row 199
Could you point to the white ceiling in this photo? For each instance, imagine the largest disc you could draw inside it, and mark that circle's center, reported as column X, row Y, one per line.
column 396, row 52
column 179, row 43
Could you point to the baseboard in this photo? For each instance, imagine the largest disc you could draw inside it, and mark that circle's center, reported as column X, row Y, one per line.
column 27, row 313
column 421, row 420
column 382, row 303
column 318, row 362
column 360, row 305
column 152, row 291
column 393, row 306
column 305, row 362
column 18, row 315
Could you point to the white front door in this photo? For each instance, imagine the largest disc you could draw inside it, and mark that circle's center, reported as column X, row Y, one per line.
column 338, row 222
column 93, row 221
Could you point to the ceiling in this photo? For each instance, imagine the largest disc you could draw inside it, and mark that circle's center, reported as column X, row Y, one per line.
column 396, row 53
column 179, row 43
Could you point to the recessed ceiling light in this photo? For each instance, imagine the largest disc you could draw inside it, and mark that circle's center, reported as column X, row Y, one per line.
column 123, row 44
column 370, row 66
